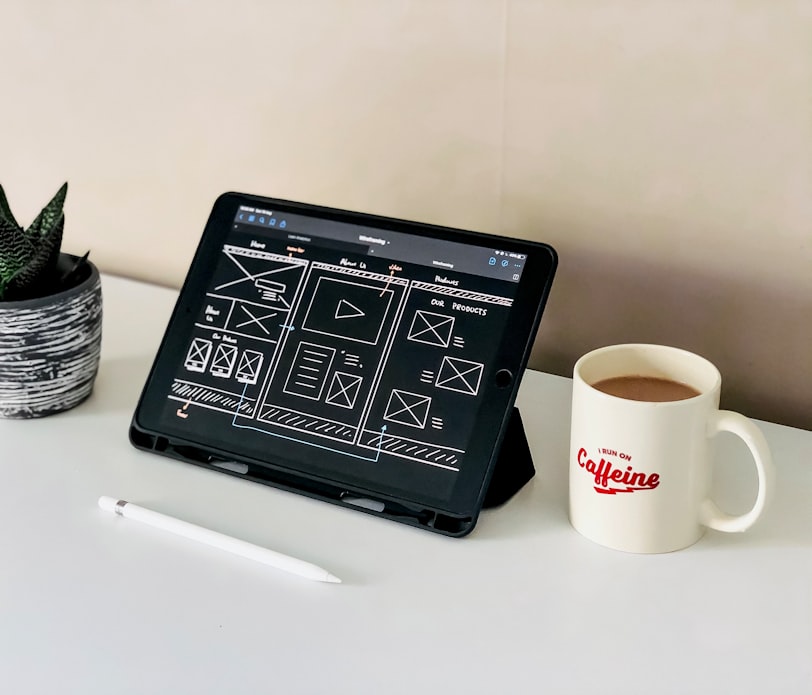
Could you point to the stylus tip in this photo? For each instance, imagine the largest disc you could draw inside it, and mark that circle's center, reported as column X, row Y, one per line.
column 332, row 579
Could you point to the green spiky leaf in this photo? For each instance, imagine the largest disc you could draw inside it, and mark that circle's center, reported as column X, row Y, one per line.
column 40, row 266
column 28, row 258
column 49, row 218
column 5, row 211
column 15, row 249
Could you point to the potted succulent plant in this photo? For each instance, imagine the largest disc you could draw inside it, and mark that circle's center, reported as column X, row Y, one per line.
column 50, row 316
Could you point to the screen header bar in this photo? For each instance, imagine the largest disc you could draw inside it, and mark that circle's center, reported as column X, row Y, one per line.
column 373, row 241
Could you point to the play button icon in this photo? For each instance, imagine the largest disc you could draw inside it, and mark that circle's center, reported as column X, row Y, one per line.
column 345, row 310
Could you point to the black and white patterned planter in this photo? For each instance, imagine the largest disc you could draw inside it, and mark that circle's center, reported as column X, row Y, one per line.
column 50, row 347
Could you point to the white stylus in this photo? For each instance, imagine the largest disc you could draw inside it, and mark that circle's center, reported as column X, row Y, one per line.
column 217, row 540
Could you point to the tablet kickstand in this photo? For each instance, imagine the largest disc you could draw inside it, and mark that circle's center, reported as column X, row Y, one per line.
column 514, row 467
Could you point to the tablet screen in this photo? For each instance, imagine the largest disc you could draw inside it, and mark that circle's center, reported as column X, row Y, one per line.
column 350, row 349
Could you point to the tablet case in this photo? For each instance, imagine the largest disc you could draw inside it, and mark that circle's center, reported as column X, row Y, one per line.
column 512, row 469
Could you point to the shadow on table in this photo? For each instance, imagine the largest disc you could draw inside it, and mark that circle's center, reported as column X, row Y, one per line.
column 118, row 385
column 786, row 523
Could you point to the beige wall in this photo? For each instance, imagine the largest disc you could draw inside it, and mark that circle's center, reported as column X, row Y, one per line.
column 664, row 147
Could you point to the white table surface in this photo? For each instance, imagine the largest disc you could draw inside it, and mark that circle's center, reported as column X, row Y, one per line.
column 91, row 603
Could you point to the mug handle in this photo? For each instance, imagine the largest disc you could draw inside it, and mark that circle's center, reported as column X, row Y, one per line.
column 710, row 514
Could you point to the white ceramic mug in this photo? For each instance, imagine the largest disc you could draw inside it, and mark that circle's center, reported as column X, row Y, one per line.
column 640, row 470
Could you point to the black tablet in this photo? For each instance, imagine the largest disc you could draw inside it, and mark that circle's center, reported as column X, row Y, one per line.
column 363, row 360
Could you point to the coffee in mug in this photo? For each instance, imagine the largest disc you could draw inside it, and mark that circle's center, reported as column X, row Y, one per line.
column 643, row 418
column 645, row 388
